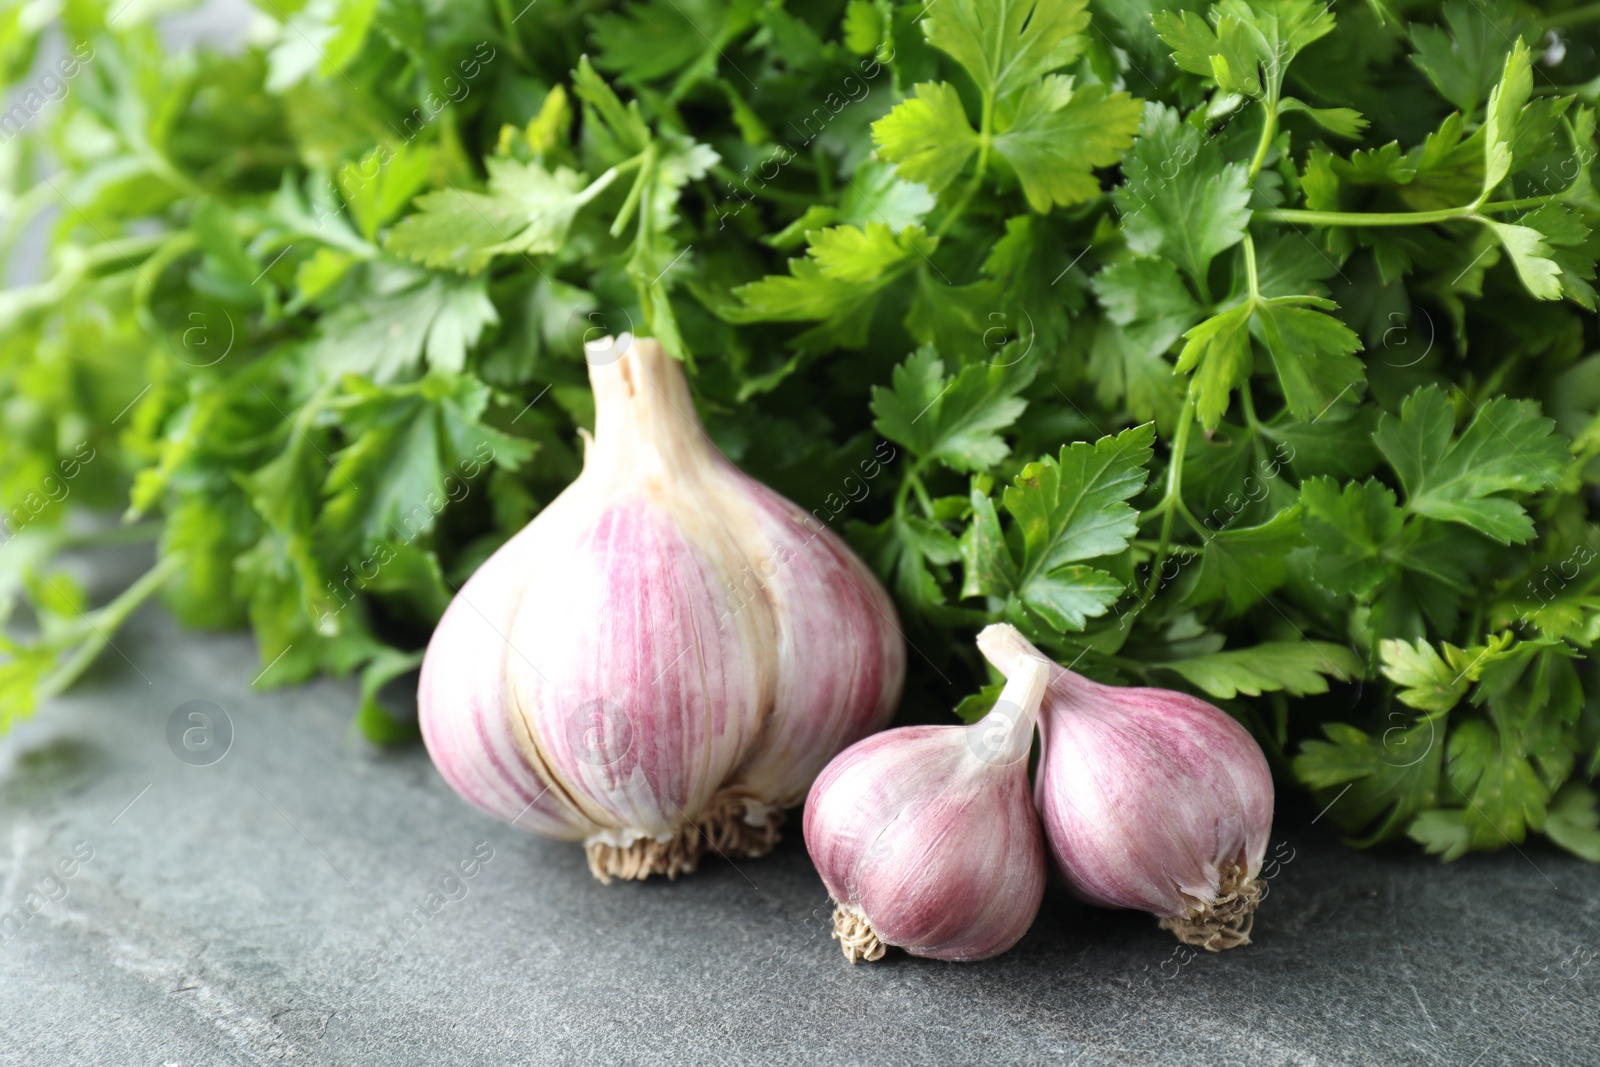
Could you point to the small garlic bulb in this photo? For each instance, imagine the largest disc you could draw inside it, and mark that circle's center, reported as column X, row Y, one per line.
column 665, row 657
column 1151, row 799
column 927, row 838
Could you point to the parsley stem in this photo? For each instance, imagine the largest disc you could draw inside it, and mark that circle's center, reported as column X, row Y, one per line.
column 1248, row 403
column 960, row 206
column 1172, row 499
column 747, row 184
column 1250, row 268
column 1269, row 129
column 173, row 247
column 1394, row 218
column 1578, row 16
column 912, row 478
column 647, row 160
column 101, row 624
column 513, row 39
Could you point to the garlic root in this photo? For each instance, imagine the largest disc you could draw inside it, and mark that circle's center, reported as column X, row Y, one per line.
column 736, row 827
column 679, row 854
column 855, row 935
column 742, row 827
column 1226, row 921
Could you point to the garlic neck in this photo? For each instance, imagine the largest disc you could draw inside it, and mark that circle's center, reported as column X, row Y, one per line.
column 645, row 425
column 1008, row 728
column 1014, row 655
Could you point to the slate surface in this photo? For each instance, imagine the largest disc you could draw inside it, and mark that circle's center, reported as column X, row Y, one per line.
column 251, row 911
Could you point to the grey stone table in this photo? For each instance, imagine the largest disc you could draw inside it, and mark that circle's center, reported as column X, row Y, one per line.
column 253, row 911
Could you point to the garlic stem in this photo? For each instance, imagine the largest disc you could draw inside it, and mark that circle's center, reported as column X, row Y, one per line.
column 1004, row 646
column 1007, row 731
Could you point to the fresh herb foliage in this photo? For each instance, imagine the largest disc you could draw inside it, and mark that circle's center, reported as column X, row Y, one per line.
column 1246, row 348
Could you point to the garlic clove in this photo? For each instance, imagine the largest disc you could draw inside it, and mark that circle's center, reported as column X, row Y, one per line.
column 926, row 836
column 647, row 717
column 1151, row 799
column 462, row 696
column 841, row 657
column 648, row 707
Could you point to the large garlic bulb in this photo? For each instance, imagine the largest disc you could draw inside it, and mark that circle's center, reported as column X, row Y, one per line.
column 665, row 657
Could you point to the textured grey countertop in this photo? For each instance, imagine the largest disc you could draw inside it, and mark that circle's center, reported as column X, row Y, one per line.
column 252, row 910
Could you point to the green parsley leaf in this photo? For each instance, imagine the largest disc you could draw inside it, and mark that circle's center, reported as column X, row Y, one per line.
column 1531, row 257
column 1252, row 44
column 1390, row 779
column 844, row 270
column 416, row 449
column 1148, row 308
column 374, row 723
column 1500, row 120
column 1070, row 509
column 1466, row 62
column 928, row 136
column 1573, row 821
column 1218, row 354
column 1339, row 121
column 1008, row 46
column 406, row 316
column 1067, row 597
column 1225, row 54
column 852, row 254
column 1180, row 199
column 1295, row 667
column 649, row 40
column 1508, row 447
column 1313, row 354
column 1073, row 507
column 955, row 420
column 1428, row 681
column 987, row 567
column 1060, row 134
column 527, row 210
column 1353, row 531
column 1245, row 565
column 378, row 187
column 1502, row 792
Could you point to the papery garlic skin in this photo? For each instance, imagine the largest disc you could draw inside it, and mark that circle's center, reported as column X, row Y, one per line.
column 926, row 836
column 1151, row 799
column 614, row 674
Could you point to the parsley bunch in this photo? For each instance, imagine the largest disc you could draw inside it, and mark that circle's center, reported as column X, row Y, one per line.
column 1243, row 347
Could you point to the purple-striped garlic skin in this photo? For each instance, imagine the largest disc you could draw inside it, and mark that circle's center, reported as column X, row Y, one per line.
column 462, row 700
column 597, row 679
column 841, row 657
column 926, row 836
column 1151, row 799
